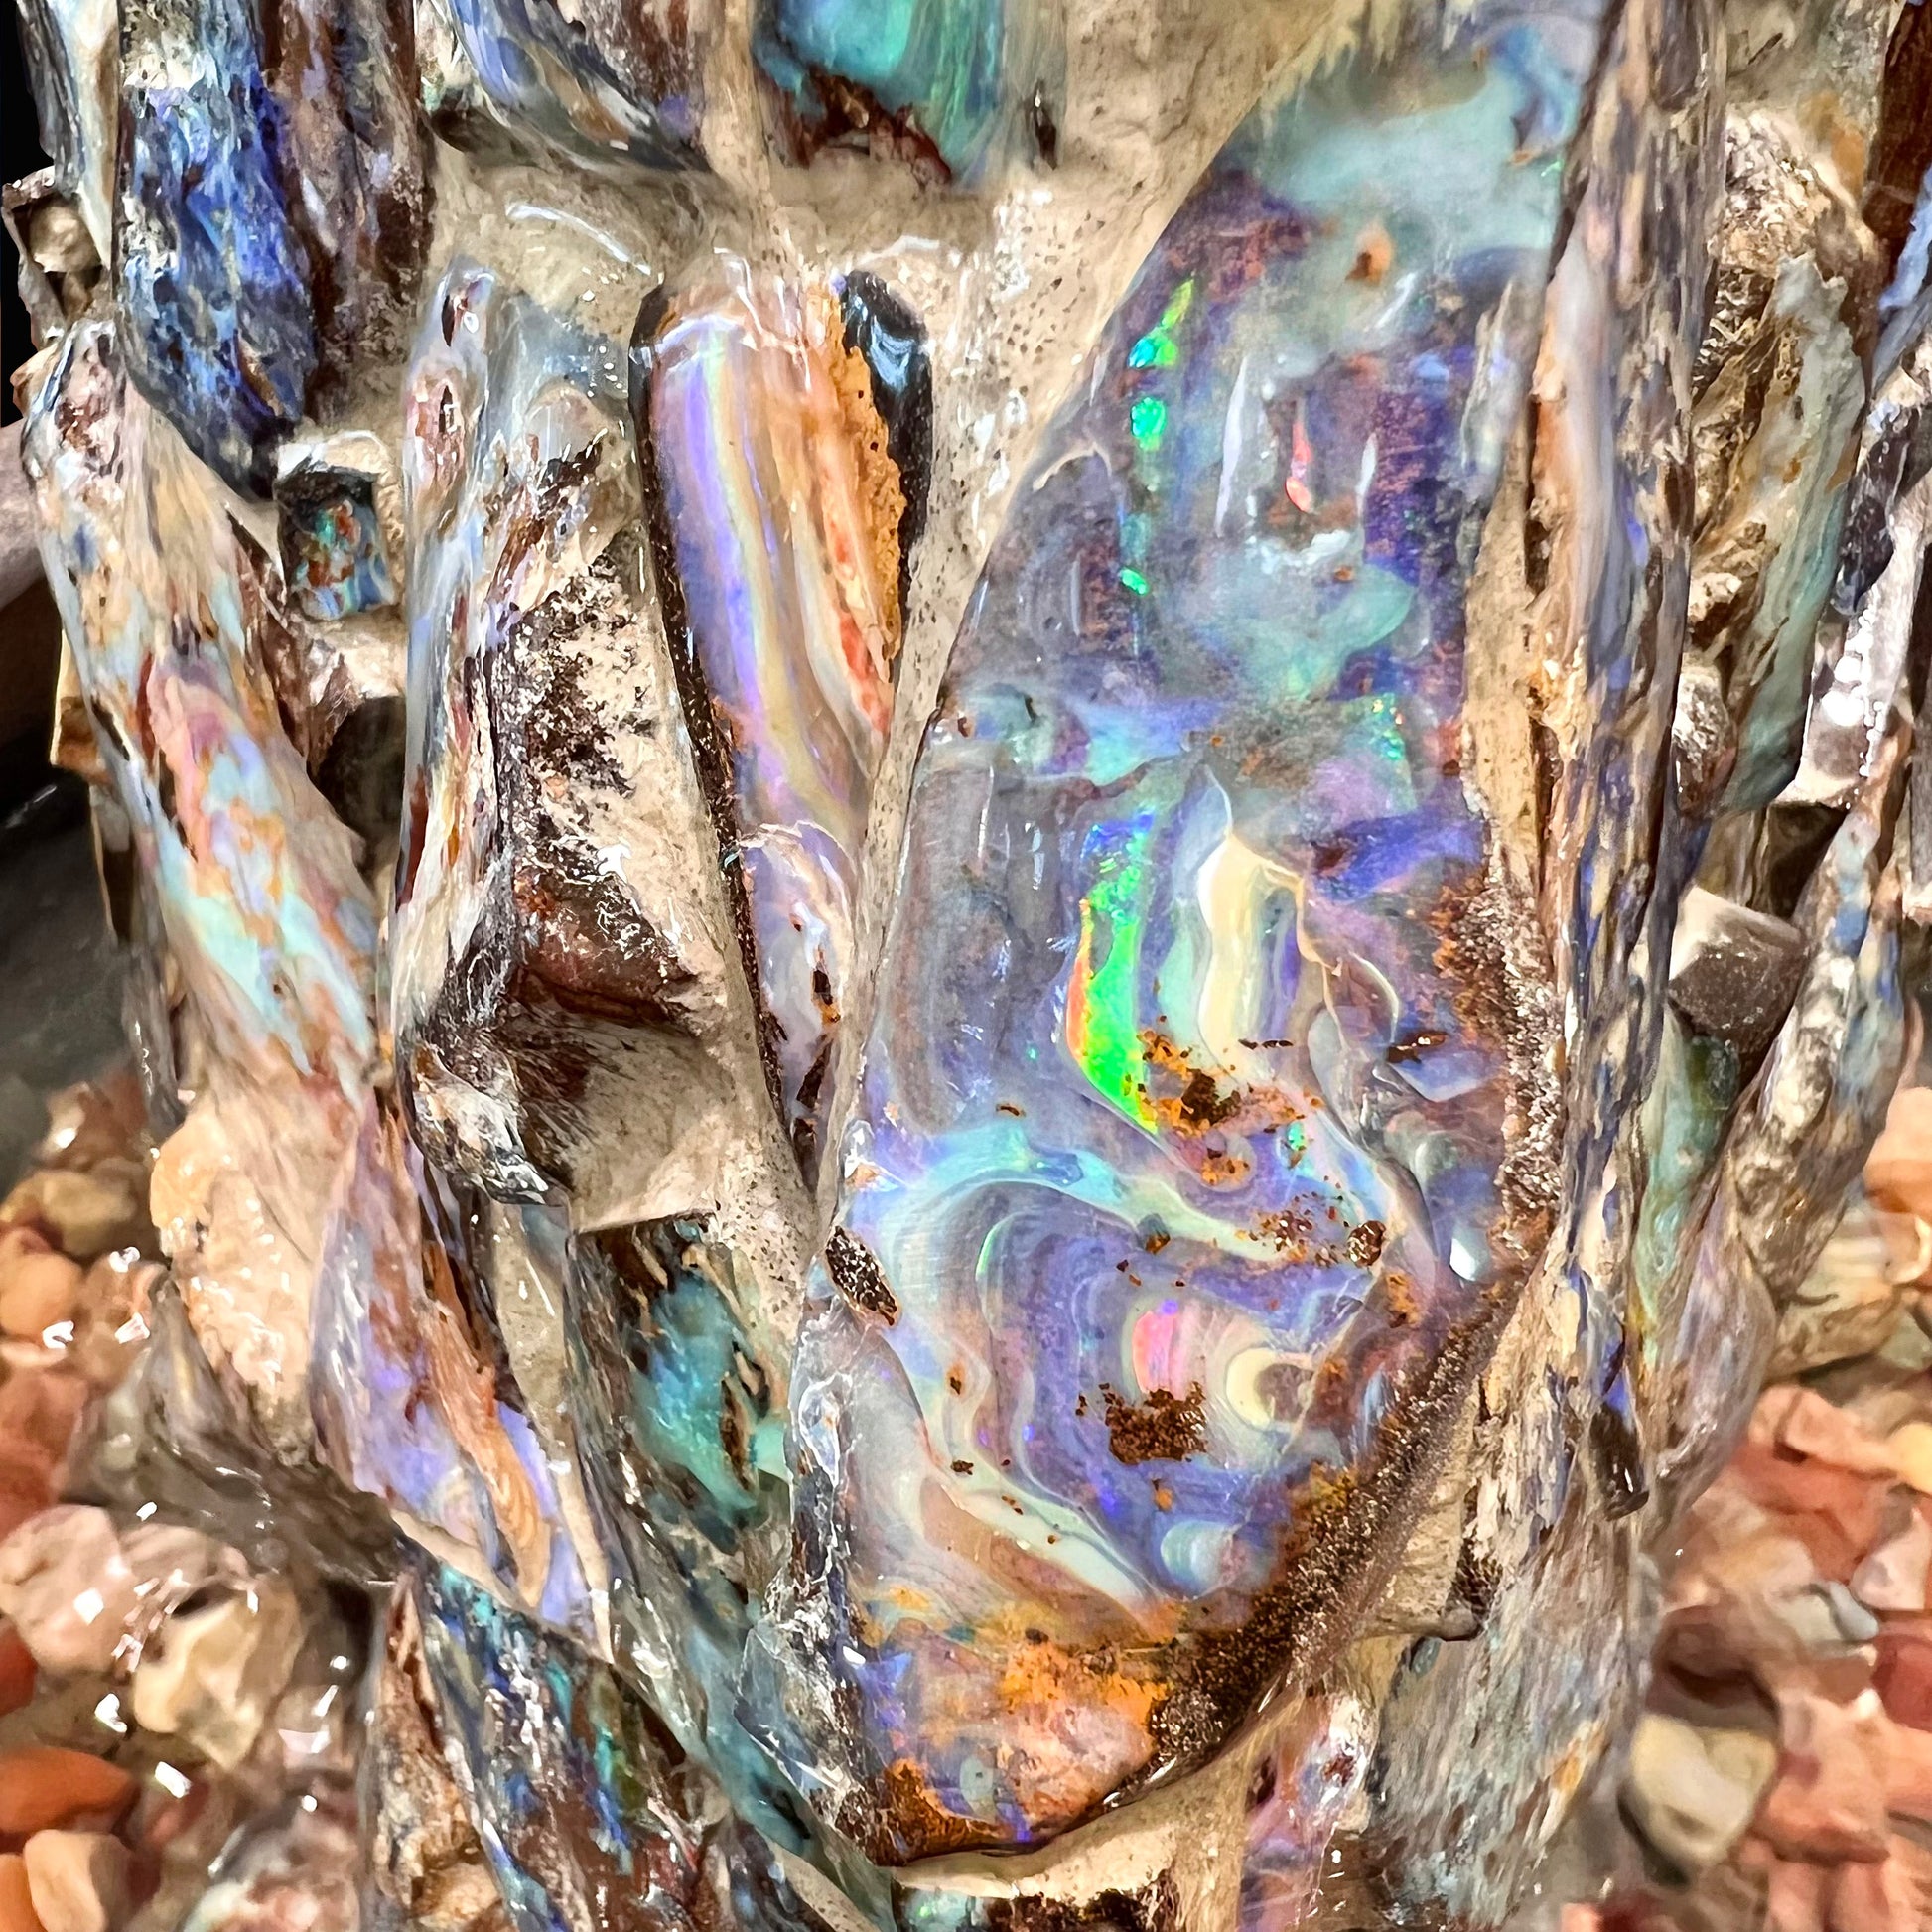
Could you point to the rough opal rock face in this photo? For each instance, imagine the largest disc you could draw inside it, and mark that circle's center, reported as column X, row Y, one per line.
column 210, row 277
column 954, row 87
column 73, row 50
column 587, row 1812
column 1144, row 783
column 1590, row 567
column 1181, row 1186
column 780, row 534
column 681, row 1415
column 606, row 82
column 567, row 1779
column 162, row 607
column 1770, row 533
column 171, row 616
column 354, row 172
column 413, row 1398
column 271, row 211
column 1299, row 1797
column 536, row 968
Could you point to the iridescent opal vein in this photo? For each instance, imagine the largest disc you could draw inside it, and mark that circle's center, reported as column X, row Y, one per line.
column 780, row 542
column 954, row 86
column 1181, row 1186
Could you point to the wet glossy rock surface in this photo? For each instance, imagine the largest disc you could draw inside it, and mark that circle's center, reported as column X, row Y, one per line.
column 413, row 1398
column 355, row 173
column 954, row 87
column 682, row 1425
column 782, row 526
column 271, row 212
column 566, row 1779
column 210, row 277
column 1356, row 1020
column 532, row 981
column 168, row 612
column 604, row 83
column 335, row 552
column 1181, row 1181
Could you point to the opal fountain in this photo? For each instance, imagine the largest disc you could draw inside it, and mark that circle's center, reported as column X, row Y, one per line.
column 1021, row 883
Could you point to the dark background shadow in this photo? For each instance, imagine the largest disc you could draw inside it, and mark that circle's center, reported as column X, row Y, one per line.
column 60, row 969
column 20, row 154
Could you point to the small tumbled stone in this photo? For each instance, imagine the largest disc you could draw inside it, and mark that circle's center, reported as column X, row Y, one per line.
column 1893, row 1577
column 1850, row 1618
column 1908, row 1773
column 17, row 1670
column 1692, row 1792
column 36, row 1292
column 17, row 1912
column 86, row 1214
column 92, row 1123
column 38, row 1417
column 1904, row 1674
column 1794, row 1896
column 1829, row 1802
column 210, row 1675
column 1807, row 1424
column 78, row 1881
column 1898, row 1171
column 45, row 1785
column 67, row 1588
column 1911, row 1447
column 1872, row 1899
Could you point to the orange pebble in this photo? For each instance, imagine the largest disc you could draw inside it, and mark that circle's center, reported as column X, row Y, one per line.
column 16, row 1901
column 43, row 1785
column 1872, row 1899
column 16, row 1670
column 24, row 1494
column 1898, row 1173
column 38, row 1291
column 38, row 1417
column 17, row 1242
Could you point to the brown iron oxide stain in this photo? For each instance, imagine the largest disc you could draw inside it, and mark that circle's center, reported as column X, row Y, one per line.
column 1161, row 1428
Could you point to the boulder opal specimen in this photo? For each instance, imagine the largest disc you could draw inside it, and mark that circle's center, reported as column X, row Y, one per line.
column 780, row 535
column 1181, row 1181
column 546, row 971
column 354, row 172
column 413, row 1397
column 682, row 1424
column 172, row 616
column 568, row 1778
column 163, row 606
column 954, row 86
column 612, row 82
column 74, row 66
column 587, row 1812
column 209, row 273
column 271, row 211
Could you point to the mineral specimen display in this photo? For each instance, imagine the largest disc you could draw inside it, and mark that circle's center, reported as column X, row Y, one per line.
column 270, row 214
column 1017, row 889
